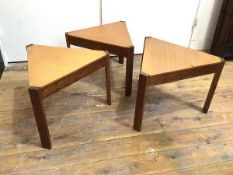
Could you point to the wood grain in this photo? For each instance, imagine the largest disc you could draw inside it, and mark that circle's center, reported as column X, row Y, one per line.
column 90, row 137
column 113, row 33
column 162, row 57
column 47, row 64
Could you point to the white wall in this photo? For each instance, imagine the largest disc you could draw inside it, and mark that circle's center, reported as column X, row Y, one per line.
column 45, row 21
column 207, row 18
column 42, row 22
column 169, row 20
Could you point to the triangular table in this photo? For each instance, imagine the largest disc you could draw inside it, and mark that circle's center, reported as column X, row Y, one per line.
column 112, row 37
column 164, row 62
column 54, row 68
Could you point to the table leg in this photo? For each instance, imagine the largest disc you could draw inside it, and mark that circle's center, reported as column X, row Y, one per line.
column 139, row 109
column 67, row 40
column 121, row 60
column 212, row 88
column 108, row 81
column 129, row 72
column 40, row 118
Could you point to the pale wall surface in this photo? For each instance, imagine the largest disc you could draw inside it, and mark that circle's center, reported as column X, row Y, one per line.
column 44, row 22
column 207, row 18
column 164, row 19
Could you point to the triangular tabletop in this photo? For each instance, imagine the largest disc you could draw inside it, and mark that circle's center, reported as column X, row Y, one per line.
column 47, row 64
column 163, row 57
column 113, row 33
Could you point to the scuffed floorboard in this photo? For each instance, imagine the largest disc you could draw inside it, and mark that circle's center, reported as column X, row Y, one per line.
column 90, row 137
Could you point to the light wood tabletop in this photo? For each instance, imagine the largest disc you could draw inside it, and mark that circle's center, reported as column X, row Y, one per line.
column 163, row 57
column 112, row 37
column 113, row 33
column 47, row 64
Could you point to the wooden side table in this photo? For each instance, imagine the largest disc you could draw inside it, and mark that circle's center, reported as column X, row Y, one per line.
column 114, row 38
column 164, row 62
column 54, row 68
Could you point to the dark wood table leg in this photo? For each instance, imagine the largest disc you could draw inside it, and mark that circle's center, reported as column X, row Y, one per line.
column 212, row 88
column 108, row 81
column 121, row 60
column 139, row 109
column 67, row 40
column 129, row 72
column 40, row 117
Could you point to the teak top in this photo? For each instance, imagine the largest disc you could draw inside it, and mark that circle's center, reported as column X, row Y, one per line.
column 163, row 57
column 113, row 33
column 47, row 64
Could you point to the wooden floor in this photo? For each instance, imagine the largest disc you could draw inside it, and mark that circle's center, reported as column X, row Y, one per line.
column 90, row 137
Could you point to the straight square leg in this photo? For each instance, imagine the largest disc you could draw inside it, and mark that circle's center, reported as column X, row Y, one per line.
column 40, row 118
column 67, row 40
column 212, row 88
column 108, row 81
column 139, row 110
column 129, row 72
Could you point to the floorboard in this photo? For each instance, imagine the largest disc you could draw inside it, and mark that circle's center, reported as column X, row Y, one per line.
column 90, row 137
